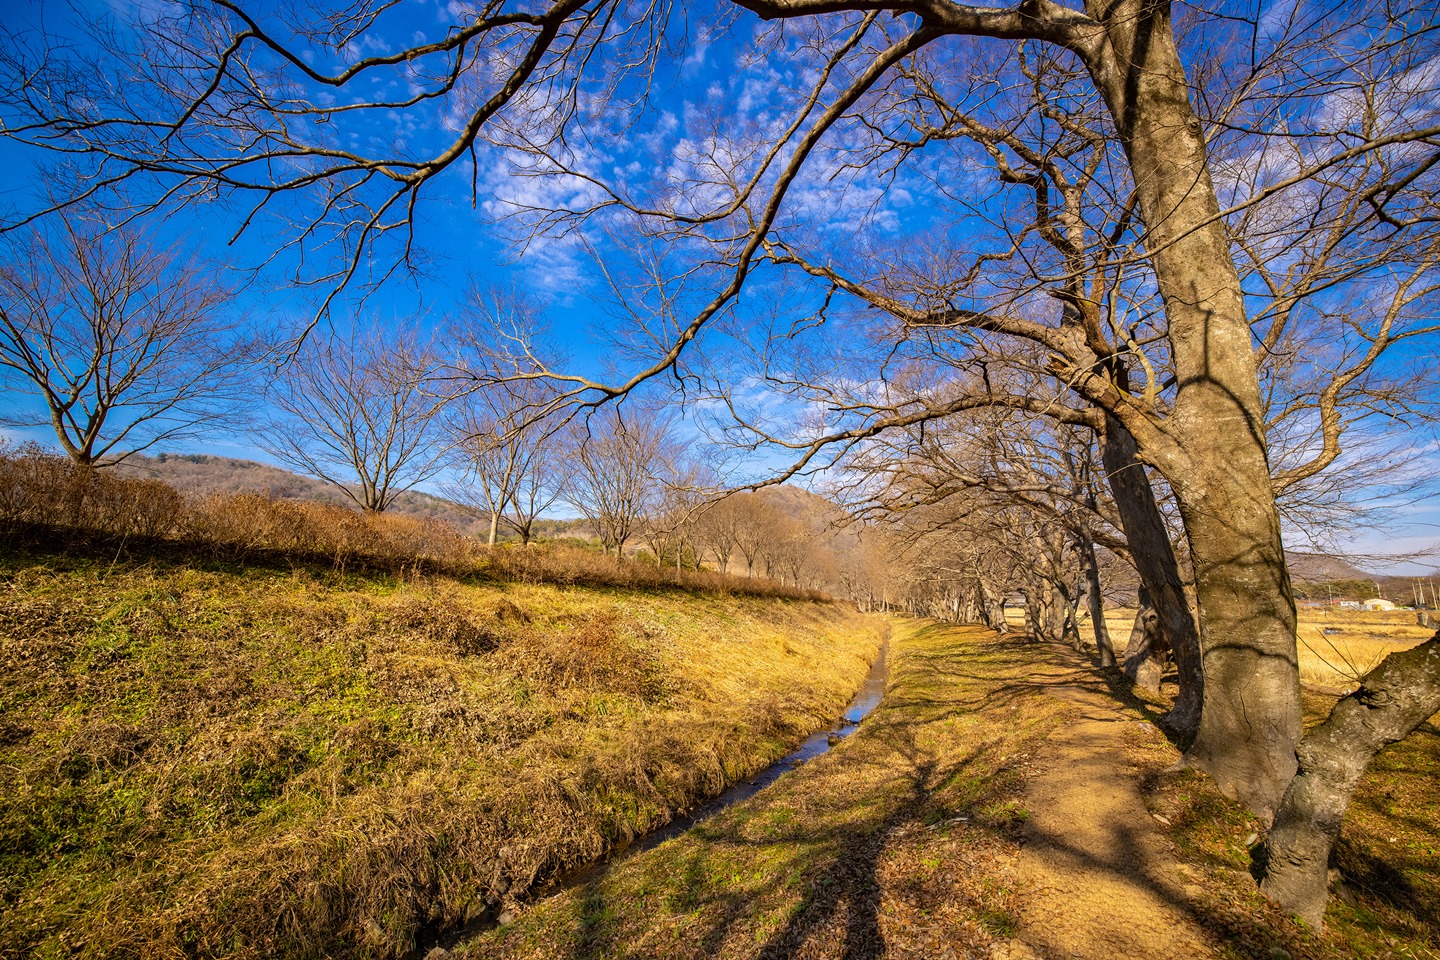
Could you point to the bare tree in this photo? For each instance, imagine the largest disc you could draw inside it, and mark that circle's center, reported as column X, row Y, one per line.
column 514, row 468
column 516, row 462
column 125, row 342
column 718, row 528
column 882, row 83
column 360, row 413
column 757, row 518
column 622, row 461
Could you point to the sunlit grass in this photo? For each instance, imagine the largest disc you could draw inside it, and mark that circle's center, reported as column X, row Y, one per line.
column 923, row 803
column 244, row 761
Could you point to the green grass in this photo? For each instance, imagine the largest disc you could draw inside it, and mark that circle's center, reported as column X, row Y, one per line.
column 1387, row 904
column 241, row 760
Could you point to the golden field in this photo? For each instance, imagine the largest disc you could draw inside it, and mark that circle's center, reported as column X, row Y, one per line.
column 1336, row 647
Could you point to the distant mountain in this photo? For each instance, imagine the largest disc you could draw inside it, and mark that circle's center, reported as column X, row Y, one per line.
column 1320, row 577
column 201, row 475
column 1319, row 568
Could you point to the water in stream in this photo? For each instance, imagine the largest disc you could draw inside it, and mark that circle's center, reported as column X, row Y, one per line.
column 872, row 691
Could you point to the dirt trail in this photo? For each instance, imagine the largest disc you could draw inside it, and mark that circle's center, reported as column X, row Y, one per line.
column 910, row 841
column 1098, row 879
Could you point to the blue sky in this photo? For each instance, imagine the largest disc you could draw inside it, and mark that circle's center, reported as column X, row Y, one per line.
column 713, row 83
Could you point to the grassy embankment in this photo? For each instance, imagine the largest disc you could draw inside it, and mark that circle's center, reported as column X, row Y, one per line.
column 238, row 759
column 900, row 843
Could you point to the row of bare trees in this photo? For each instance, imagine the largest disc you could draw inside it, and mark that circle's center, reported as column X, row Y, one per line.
column 125, row 343
column 128, row 345
column 1197, row 244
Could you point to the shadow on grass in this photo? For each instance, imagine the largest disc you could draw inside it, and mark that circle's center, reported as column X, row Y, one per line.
column 754, row 883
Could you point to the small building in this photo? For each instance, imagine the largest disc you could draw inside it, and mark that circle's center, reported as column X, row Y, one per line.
column 1379, row 603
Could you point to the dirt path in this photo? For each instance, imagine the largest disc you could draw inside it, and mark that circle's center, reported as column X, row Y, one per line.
column 1098, row 879
column 988, row 808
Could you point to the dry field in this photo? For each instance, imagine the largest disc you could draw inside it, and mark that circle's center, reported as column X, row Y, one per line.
column 1337, row 647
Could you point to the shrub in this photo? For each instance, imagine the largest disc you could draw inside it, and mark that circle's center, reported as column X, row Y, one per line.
column 42, row 490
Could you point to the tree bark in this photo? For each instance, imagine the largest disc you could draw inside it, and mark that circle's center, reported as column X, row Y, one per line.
column 1160, row 579
column 1070, row 618
column 1096, row 600
column 1393, row 699
column 1147, row 652
column 1212, row 446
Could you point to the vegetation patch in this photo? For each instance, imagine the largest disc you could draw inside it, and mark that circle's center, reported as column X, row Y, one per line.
column 247, row 760
column 1385, row 899
column 901, row 839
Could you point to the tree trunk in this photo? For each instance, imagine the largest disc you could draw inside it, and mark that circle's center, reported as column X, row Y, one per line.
column 1211, row 447
column 1250, row 722
column 1045, row 609
column 1393, row 699
column 1159, row 571
column 1096, row 600
column 494, row 527
column 1147, row 652
column 1070, row 618
column 1159, row 577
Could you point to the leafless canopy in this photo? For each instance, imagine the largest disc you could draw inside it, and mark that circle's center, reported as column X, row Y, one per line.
column 359, row 412
column 623, row 460
column 126, row 342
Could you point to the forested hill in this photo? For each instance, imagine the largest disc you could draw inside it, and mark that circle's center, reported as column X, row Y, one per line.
column 199, row 475
column 1319, row 576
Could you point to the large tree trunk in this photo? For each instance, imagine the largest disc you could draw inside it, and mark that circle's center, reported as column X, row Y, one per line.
column 1045, row 610
column 1393, row 699
column 1212, row 446
column 1160, row 579
column 992, row 609
column 1250, row 722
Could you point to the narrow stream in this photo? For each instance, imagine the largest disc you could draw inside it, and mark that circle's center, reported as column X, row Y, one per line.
column 872, row 691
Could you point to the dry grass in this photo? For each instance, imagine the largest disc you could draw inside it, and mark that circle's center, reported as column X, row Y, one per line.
column 44, row 496
column 899, row 843
column 244, row 761
column 1336, row 647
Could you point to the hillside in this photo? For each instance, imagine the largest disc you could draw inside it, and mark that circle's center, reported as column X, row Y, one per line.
column 1320, row 568
column 200, row 475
